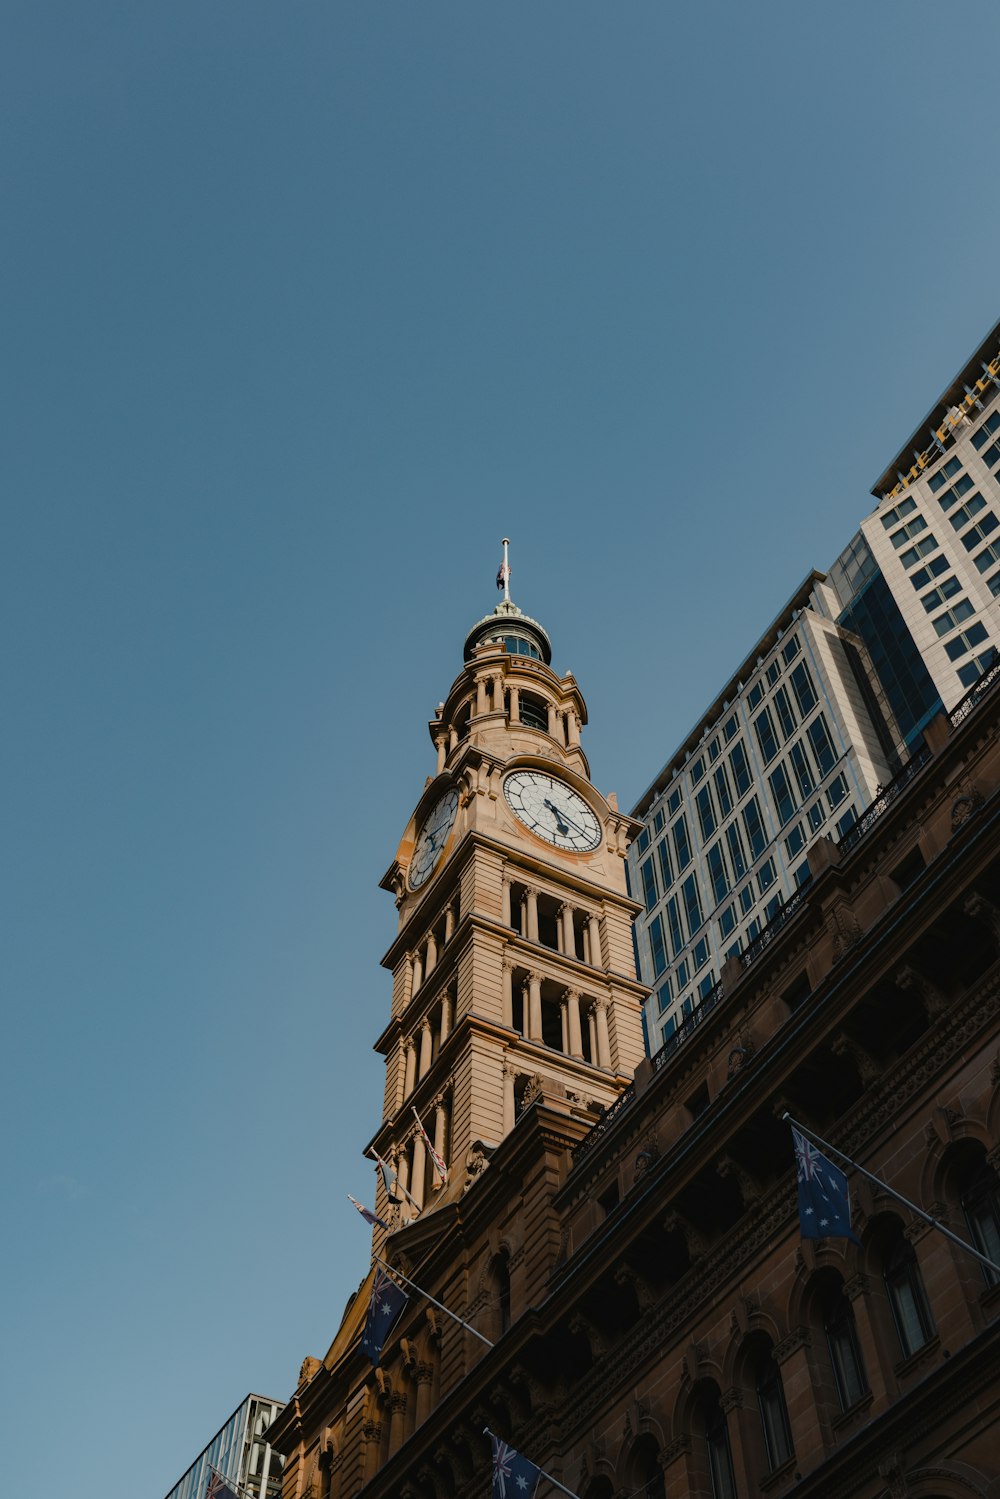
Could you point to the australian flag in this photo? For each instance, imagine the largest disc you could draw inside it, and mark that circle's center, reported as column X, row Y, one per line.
column 824, row 1196
column 384, row 1309
column 513, row 1476
column 218, row 1488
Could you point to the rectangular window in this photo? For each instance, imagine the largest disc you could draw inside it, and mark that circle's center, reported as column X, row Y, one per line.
column 664, row 995
column 682, row 844
column 940, row 479
column 907, row 532
column 802, row 686
column 735, row 950
column 953, row 617
column 961, row 486
column 740, row 767
column 746, row 899
column 891, row 517
column 781, row 792
column 923, row 575
column 666, row 873
column 753, row 929
column 764, row 729
column 649, row 894
column 722, row 791
column 964, row 513
column 682, row 975
column 697, row 770
column 974, row 635
column 801, row 769
column 987, row 557
column 754, row 695
column 673, row 801
column 674, row 923
column 836, row 791
column 756, row 837
column 714, row 749
column 773, row 673
column 973, row 670
column 979, row 532
column 737, row 857
column 727, row 921
column 706, row 812
column 699, row 955
column 773, row 906
column 783, row 708
column 982, row 437
column 643, row 840
column 687, row 1006
column 913, row 554
column 802, row 875
column 766, row 876
column 796, row 841
column 822, row 746
column 846, row 823
column 730, row 729
column 717, row 875
column 706, row 986
column 816, row 817
column 669, row 1026
column 658, row 822
column 790, row 651
column 656, row 947
column 692, row 903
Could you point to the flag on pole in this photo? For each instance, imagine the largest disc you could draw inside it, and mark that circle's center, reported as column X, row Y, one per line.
column 387, row 1302
column 367, row 1214
column 824, row 1196
column 218, row 1488
column 514, row 1477
column 439, row 1165
column 389, row 1179
column 503, row 574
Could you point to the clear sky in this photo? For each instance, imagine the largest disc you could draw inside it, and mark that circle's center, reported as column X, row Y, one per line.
column 305, row 304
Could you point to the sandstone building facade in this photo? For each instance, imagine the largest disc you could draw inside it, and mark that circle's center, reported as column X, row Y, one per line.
column 624, row 1231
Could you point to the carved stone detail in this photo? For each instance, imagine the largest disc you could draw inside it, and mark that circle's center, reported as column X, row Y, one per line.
column 934, row 1002
column 845, row 1046
column 981, row 909
column 844, row 929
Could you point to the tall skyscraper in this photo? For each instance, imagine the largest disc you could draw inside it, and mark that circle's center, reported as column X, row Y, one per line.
column 240, row 1452
column 828, row 706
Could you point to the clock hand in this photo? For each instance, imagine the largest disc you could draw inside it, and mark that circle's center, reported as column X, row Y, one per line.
column 565, row 818
column 561, row 826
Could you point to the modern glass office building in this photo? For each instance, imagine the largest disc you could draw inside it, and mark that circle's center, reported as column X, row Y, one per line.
column 797, row 742
column 240, row 1452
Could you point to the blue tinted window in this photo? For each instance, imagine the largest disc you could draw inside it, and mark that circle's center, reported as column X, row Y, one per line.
column 781, row 791
column 764, row 729
column 648, row 884
column 666, row 873
column 822, row 747
column 783, row 708
column 736, row 855
column 741, row 770
column 717, row 872
column 656, row 946
column 754, row 828
column 692, row 903
column 800, row 768
column 682, row 844
column 802, row 685
column 674, row 923
column 722, row 791
column 706, row 812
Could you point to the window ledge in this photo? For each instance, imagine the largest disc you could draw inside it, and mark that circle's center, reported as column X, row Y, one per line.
column 778, row 1475
column 853, row 1413
column 922, row 1356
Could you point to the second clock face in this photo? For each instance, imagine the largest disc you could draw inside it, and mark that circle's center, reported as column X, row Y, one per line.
column 431, row 838
column 552, row 810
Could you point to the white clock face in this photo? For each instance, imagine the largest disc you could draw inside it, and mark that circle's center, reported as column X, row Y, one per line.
column 552, row 809
column 431, row 838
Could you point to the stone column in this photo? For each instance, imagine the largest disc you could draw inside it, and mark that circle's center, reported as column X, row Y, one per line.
column 569, row 933
column 507, row 993
column 573, row 725
column 418, row 973
column 534, row 1007
column 441, row 745
column 401, row 1162
column 440, row 1128
column 594, row 932
column 573, row 1011
column 553, row 721
column 508, row 1097
column 432, row 954
column 372, row 1433
column 408, row 989
column 419, row 1167
column 481, row 704
column 397, row 1419
column 410, row 1077
column 505, row 912
column 449, row 923
column 452, row 738
column 856, row 1290
column 445, row 1016
column 426, row 1047
column 565, row 1025
column 603, row 1039
column 515, row 705
column 425, row 1381
column 561, row 930
column 532, row 932
column 592, row 1029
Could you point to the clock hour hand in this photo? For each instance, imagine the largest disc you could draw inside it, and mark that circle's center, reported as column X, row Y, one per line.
column 564, row 819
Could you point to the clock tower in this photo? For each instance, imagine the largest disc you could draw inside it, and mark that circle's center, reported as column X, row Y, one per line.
column 513, row 964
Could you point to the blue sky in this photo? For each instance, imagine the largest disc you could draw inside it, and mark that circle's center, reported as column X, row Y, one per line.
column 304, row 306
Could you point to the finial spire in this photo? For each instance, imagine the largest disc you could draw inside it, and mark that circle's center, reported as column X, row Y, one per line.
column 503, row 573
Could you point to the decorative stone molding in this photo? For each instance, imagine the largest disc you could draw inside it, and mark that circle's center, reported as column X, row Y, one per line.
column 891, row 1469
column 798, row 1338
column 679, row 1447
column 847, row 1048
column 310, row 1366
column 731, row 1399
column 843, row 927
column 646, row 1296
column 981, row 909
column 746, row 1183
column 966, row 804
column 694, row 1241
column 934, row 1002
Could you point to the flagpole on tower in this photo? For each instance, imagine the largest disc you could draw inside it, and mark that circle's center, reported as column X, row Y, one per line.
column 506, row 571
column 822, row 1144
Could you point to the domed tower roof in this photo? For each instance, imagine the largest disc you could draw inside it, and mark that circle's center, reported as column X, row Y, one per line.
column 522, row 635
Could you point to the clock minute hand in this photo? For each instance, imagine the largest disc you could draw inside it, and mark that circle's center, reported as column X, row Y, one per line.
column 562, row 825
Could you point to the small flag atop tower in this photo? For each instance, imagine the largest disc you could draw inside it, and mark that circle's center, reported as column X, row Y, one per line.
column 503, row 571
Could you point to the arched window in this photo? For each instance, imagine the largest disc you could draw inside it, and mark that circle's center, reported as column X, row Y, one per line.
column 842, row 1342
column 910, row 1312
column 534, row 712
column 646, row 1475
column 773, row 1411
column 980, row 1188
column 720, row 1458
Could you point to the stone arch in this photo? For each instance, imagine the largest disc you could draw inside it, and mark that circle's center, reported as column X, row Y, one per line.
column 748, row 1325
column 696, row 1383
column 815, row 1256
column 939, row 1156
column 951, row 1480
column 641, row 1467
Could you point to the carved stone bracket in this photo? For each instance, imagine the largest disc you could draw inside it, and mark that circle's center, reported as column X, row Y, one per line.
column 694, row 1241
column 731, row 1399
column 747, row 1184
column 934, row 1002
column 843, row 927
column 624, row 1275
column 797, row 1338
column 850, row 1050
column 981, row 909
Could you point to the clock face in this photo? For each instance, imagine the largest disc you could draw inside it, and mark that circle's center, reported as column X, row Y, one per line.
column 552, row 809
column 431, row 838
